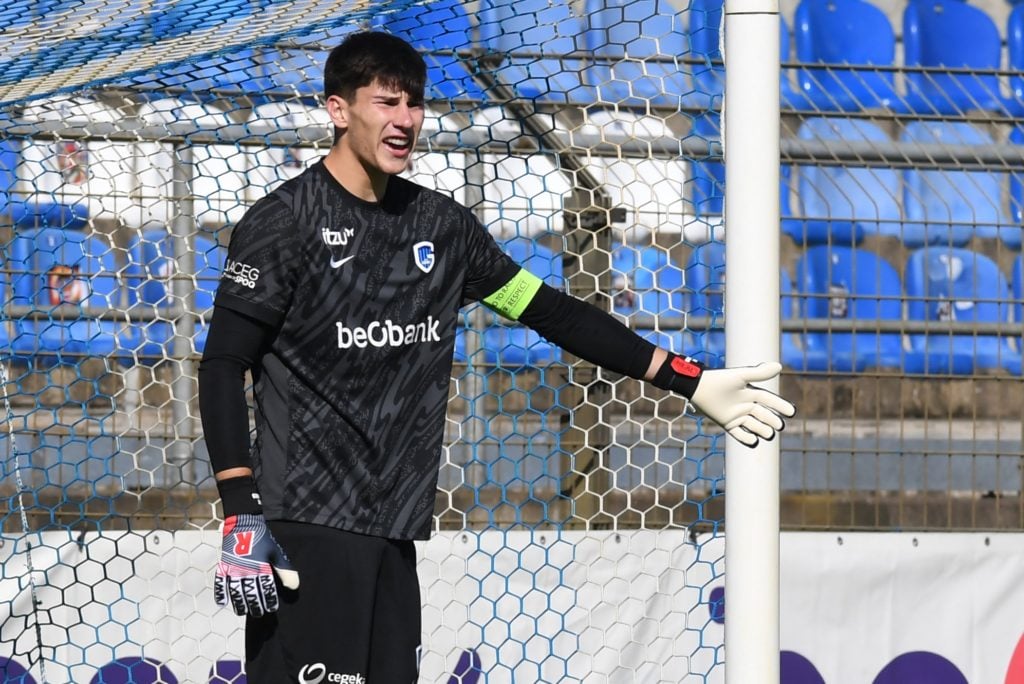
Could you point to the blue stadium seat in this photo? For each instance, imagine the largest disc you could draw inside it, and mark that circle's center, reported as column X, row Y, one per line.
column 50, row 267
column 548, row 29
column 515, row 345
column 227, row 76
column 789, row 97
column 176, row 18
column 955, row 284
column 1017, row 292
column 653, row 36
column 34, row 12
column 842, row 204
column 708, row 175
column 1011, row 235
column 435, row 28
column 649, row 283
column 652, row 280
column 791, row 354
column 236, row 72
column 709, row 79
column 839, row 282
column 952, row 34
column 10, row 156
column 5, row 338
column 29, row 215
column 290, row 74
column 705, row 297
column 151, row 265
column 1015, row 53
column 708, row 183
column 841, row 33
column 948, row 206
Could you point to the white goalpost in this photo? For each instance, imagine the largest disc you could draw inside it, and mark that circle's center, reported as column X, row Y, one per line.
column 750, row 135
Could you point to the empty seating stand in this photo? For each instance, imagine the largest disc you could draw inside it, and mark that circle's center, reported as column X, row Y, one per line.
column 951, row 34
column 950, row 206
column 842, row 204
column 529, row 39
column 648, row 290
column 841, row 283
column 150, row 279
column 705, row 19
column 57, row 273
column 439, row 29
column 704, row 297
column 849, row 36
column 636, row 47
column 956, row 284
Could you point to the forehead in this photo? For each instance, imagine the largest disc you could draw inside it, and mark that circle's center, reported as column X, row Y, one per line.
column 380, row 89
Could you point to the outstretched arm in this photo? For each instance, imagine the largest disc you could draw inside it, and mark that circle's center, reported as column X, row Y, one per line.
column 727, row 396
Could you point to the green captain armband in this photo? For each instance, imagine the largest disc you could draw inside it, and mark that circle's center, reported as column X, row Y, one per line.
column 515, row 295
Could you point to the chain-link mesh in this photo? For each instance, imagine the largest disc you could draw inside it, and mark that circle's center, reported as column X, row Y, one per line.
column 579, row 516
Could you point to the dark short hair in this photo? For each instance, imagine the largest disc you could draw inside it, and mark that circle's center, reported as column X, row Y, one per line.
column 369, row 56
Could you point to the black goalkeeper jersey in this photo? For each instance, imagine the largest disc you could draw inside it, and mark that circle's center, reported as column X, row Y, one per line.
column 351, row 394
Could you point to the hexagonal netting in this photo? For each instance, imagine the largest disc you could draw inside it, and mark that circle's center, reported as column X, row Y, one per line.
column 578, row 520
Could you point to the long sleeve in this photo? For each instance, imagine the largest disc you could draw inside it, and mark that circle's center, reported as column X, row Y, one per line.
column 233, row 346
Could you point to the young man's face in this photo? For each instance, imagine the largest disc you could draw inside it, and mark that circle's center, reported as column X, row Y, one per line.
column 381, row 126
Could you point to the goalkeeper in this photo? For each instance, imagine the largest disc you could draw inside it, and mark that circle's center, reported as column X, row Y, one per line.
column 341, row 293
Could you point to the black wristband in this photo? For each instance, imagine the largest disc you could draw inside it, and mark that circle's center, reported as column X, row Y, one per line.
column 239, row 495
column 679, row 374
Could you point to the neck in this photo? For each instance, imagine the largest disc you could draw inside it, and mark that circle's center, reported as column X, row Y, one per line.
column 365, row 183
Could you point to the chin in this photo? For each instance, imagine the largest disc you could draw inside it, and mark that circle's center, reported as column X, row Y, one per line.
column 394, row 167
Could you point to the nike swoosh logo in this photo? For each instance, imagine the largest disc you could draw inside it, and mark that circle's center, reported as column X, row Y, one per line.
column 341, row 262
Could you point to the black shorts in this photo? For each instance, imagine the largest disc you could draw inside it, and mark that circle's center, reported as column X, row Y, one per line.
column 355, row 618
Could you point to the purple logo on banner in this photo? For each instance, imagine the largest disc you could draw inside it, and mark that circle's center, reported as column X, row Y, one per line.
column 796, row 669
column 920, row 667
column 468, row 669
column 12, row 671
column 134, row 671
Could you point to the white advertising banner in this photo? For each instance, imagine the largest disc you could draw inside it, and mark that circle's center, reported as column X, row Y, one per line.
column 907, row 608
column 602, row 607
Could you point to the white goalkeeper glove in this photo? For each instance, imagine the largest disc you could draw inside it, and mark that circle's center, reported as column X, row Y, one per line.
column 726, row 396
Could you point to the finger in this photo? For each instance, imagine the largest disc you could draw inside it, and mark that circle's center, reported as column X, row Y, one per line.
column 772, row 401
column 743, row 436
column 267, row 593
column 236, row 593
column 254, row 605
column 769, row 418
column 762, row 371
column 220, row 592
column 752, row 424
column 289, row 578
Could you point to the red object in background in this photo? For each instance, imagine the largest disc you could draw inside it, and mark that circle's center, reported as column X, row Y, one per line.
column 65, row 285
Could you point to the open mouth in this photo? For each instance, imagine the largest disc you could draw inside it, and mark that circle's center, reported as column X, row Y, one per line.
column 398, row 146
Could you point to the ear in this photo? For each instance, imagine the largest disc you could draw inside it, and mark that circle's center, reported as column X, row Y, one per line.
column 337, row 109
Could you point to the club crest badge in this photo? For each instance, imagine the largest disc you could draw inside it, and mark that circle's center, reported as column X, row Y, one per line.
column 423, row 254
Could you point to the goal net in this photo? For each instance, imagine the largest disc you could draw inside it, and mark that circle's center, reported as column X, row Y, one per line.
column 578, row 514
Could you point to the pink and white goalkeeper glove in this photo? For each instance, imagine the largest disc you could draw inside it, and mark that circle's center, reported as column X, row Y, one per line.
column 248, row 560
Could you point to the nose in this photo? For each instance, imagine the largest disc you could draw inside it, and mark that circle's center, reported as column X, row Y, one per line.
column 403, row 116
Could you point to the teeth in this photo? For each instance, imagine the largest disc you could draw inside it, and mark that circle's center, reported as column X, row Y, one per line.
column 397, row 142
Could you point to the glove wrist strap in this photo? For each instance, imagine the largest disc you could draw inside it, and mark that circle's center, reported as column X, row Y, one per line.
column 239, row 495
column 679, row 374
